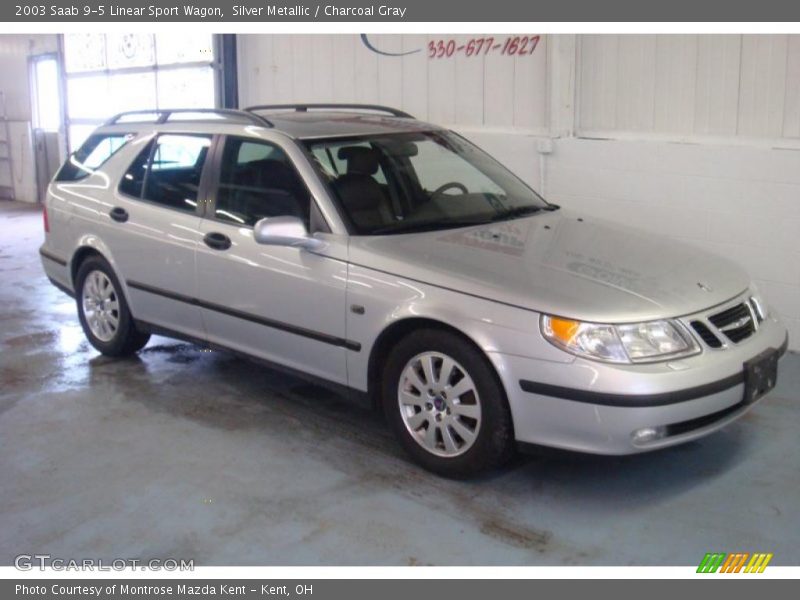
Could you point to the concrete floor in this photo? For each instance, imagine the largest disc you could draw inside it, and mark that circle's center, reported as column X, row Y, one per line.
column 198, row 455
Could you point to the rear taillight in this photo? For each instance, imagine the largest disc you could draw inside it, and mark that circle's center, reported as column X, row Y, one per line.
column 46, row 222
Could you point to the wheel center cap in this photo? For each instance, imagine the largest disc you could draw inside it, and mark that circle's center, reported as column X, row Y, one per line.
column 439, row 403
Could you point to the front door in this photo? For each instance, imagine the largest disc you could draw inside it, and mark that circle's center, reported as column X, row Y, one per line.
column 283, row 304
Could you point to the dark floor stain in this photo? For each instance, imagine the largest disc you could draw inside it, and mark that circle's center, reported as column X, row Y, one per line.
column 16, row 315
column 313, row 391
column 515, row 534
column 12, row 378
column 42, row 338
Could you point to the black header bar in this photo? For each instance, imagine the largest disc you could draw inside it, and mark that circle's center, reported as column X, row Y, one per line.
column 478, row 11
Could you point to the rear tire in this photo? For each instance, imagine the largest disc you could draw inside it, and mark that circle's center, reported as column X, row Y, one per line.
column 103, row 310
column 446, row 405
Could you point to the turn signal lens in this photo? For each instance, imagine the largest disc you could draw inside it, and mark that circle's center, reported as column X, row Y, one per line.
column 46, row 222
column 563, row 330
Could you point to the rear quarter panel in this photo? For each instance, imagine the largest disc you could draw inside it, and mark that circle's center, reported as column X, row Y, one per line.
column 78, row 211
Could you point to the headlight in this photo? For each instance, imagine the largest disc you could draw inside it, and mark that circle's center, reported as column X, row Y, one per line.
column 629, row 343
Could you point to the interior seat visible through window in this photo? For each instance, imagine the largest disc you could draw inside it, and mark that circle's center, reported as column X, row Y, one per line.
column 363, row 197
column 258, row 181
column 169, row 174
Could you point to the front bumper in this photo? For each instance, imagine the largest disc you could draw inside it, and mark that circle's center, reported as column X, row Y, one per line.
column 596, row 407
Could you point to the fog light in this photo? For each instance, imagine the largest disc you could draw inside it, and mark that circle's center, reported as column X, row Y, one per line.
column 648, row 434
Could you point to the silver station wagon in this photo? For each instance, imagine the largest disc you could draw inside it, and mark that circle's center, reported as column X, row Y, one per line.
column 394, row 260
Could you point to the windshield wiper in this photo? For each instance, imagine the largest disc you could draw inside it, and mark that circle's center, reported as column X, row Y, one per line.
column 515, row 213
column 414, row 227
column 419, row 226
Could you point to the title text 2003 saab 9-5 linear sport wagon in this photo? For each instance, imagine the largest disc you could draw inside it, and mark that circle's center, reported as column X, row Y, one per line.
column 391, row 257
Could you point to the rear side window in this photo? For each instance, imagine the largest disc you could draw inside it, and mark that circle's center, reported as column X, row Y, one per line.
column 94, row 152
column 168, row 170
column 133, row 181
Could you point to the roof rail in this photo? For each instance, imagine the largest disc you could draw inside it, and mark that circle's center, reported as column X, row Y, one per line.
column 305, row 107
column 160, row 115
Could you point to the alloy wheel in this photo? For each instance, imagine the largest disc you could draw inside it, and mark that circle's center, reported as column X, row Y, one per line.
column 100, row 305
column 439, row 404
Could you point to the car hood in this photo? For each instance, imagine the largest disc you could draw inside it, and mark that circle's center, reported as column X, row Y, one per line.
column 563, row 264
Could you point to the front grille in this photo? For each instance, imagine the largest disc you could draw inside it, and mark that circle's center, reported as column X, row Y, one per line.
column 740, row 333
column 706, row 334
column 736, row 323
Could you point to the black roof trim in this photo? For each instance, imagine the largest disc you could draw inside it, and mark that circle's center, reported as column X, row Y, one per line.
column 321, row 106
column 163, row 115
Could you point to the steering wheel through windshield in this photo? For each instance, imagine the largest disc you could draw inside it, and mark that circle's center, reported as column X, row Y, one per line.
column 447, row 186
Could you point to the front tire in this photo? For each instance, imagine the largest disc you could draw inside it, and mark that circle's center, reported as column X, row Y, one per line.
column 103, row 310
column 446, row 404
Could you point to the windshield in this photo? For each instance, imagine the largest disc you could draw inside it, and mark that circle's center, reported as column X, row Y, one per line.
column 397, row 183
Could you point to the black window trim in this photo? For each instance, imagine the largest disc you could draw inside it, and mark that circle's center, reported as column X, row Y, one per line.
column 202, row 189
column 349, row 226
column 317, row 221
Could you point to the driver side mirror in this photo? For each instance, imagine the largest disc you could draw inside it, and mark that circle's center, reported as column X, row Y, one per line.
column 285, row 231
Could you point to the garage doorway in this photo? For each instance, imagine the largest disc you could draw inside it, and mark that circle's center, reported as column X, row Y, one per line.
column 111, row 73
column 47, row 118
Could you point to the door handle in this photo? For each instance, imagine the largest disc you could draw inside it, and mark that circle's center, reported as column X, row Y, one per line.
column 217, row 241
column 118, row 214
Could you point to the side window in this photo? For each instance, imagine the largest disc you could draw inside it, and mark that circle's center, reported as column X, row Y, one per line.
column 177, row 162
column 257, row 180
column 94, row 152
column 133, row 180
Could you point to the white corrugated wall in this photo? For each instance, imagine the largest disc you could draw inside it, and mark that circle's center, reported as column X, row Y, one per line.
column 720, row 85
column 480, row 90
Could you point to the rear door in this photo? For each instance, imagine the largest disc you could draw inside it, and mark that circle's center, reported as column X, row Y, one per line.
column 156, row 223
column 283, row 304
